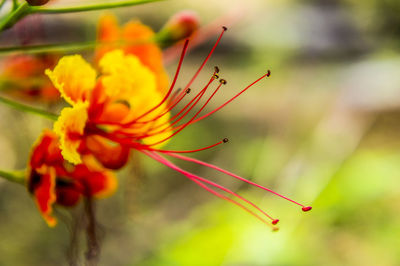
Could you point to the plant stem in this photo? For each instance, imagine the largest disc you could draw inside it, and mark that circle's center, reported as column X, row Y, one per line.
column 93, row 247
column 14, row 16
column 15, row 4
column 14, row 176
column 20, row 11
column 65, row 47
column 29, row 109
column 115, row 4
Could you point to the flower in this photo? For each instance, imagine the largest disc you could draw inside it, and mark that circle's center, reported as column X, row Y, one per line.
column 100, row 105
column 52, row 180
column 23, row 76
column 124, row 107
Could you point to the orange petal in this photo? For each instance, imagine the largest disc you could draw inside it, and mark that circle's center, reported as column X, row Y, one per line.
column 110, row 155
column 108, row 31
column 149, row 53
column 42, row 186
column 101, row 183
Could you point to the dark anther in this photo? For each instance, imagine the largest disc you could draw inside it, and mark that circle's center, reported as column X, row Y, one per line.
column 216, row 69
column 215, row 76
column 188, row 90
column 225, row 28
column 222, row 81
column 268, row 73
column 225, row 140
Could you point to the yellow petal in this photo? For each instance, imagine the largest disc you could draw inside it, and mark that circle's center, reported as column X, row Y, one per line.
column 70, row 128
column 126, row 78
column 73, row 77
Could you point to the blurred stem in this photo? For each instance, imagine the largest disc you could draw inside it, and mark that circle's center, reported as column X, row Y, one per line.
column 14, row 176
column 24, row 9
column 14, row 16
column 93, row 246
column 114, row 4
column 15, row 4
column 65, row 47
column 29, row 109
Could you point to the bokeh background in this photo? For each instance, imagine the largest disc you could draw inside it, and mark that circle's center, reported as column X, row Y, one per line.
column 323, row 130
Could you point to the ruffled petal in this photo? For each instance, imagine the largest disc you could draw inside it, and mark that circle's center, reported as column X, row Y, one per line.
column 73, row 77
column 70, row 128
column 42, row 185
column 45, row 150
column 125, row 76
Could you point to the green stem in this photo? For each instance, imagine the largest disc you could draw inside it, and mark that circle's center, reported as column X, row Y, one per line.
column 66, row 47
column 115, row 4
column 29, row 109
column 25, row 9
column 14, row 16
column 14, row 176
column 49, row 48
column 15, row 4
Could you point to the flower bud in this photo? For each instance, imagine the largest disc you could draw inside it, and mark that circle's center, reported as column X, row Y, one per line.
column 179, row 26
column 37, row 2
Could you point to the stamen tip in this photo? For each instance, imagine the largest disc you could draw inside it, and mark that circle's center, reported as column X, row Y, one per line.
column 224, row 28
column 268, row 73
column 188, row 90
column 215, row 76
column 216, row 69
column 223, row 81
column 225, row 140
column 274, row 222
column 306, row 209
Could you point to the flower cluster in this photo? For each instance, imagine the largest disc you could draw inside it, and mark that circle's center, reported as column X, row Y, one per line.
column 122, row 101
column 122, row 104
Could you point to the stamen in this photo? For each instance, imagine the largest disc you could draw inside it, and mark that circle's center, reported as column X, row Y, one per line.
column 225, row 140
column 185, row 46
column 216, row 69
column 187, row 151
column 233, row 98
column 205, row 60
column 180, row 128
column 223, row 81
column 193, row 177
column 168, row 109
column 304, row 208
column 196, row 99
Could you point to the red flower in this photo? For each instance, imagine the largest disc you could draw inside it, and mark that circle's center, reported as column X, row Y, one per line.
column 23, row 76
column 122, row 105
column 52, row 180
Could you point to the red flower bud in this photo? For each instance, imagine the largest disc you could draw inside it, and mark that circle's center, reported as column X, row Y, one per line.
column 37, row 2
column 180, row 26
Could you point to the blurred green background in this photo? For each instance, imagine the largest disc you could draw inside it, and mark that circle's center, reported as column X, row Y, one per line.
column 323, row 130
